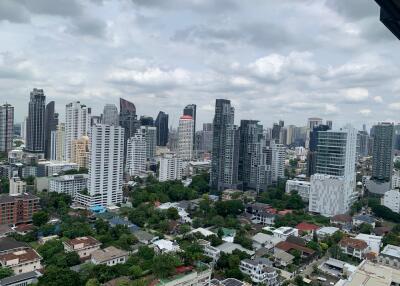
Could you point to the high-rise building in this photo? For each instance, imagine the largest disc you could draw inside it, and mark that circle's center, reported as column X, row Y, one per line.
column 185, row 137
column 332, row 189
column 146, row 120
column 283, row 136
column 80, row 152
column 110, row 115
column 59, row 136
column 150, row 133
column 278, row 152
column 170, row 167
column 363, row 141
column 311, row 124
column 276, row 131
column 312, row 148
column 128, row 120
column 191, row 111
column 51, row 122
column 136, row 157
column 35, row 123
column 225, row 151
column 382, row 158
column 162, row 128
column 77, row 124
column 204, row 139
column 105, row 167
column 252, row 164
column 173, row 140
column 330, row 124
column 6, row 127
column 290, row 134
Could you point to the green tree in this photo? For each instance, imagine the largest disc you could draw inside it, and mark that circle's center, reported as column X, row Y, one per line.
column 135, row 271
column 40, row 218
column 366, row 228
column 164, row 265
column 5, row 272
column 92, row 282
column 56, row 276
column 172, row 213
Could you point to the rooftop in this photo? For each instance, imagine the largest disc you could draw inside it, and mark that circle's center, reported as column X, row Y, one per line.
column 8, row 244
column 111, row 252
column 304, row 226
column 352, row 242
column 20, row 256
column 287, row 246
column 365, row 218
column 85, row 240
column 391, row 250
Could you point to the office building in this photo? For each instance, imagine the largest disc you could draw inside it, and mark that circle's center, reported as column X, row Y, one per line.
column 382, row 158
column 68, row 184
column 278, row 152
column 302, row 188
column 136, row 157
column 225, row 150
column 312, row 148
column 185, row 138
column 390, row 15
column 162, row 128
column 332, row 189
column 105, row 167
column 204, row 139
column 128, row 121
column 276, row 132
column 146, row 120
column 6, row 127
column 311, row 124
column 35, row 123
column 170, row 167
column 77, row 124
column 51, row 122
column 80, row 152
column 191, row 111
column 58, row 143
column 150, row 134
column 110, row 115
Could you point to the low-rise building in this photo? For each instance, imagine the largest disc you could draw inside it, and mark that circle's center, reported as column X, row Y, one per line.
column 342, row 220
column 21, row 260
column 68, row 184
column 354, row 247
column 18, row 209
column 109, row 256
column 166, row 246
column 307, row 228
column 17, row 186
column 360, row 219
column 288, row 246
column 326, row 231
column 230, row 247
column 22, row 279
column 284, row 232
column 84, row 246
column 302, row 188
column 200, row 276
column 209, row 250
column 390, row 256
column 262, row 240
column 374, row 242
column 282, row 258
column 260, row 271
column 391, row 200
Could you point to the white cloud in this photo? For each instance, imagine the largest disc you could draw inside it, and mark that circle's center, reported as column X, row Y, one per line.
column 365, row 112
column 394, row 106
column 378, row 99
column 355, row 95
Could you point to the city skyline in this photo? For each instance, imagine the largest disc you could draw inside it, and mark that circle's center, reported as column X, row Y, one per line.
column 265, row 63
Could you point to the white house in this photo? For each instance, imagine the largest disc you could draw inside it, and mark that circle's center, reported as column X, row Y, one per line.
column 165, row 246
column 284, row 232
column 374, row 242
column 109, row 256
column 260, row 271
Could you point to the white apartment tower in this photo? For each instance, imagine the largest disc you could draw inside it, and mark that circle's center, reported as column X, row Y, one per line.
column 277, row 161
column 185, row 137
column 136, row 154
column 170, row 167
column 332, row 188
column 77, row 124
column 105, row 166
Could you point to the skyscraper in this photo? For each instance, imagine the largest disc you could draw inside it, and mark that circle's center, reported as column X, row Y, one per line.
column 162, row 128
column 105, row 167
column 146, row 120
column 110, row 115
column 191, row 111
column 311, row 124
column 6, row 127
column 51, row 122
column 150, row 133
column 128, row 121
column 185, row 137
column 35, row 123
column 332, row 189
column 80, row 152
column 77, row 124
column 382, row 158
column 136, row 159
column 276, row 131
column 252, row 162
column 312, row 148
column 225, row 151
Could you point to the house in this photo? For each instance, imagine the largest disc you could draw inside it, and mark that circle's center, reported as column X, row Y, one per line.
column 5, row 230
column 282, row 258
column 203, row 231
column 109, row 256
column 264, row 218
column 187, row 276
column 289, row 246
column 336, row 267
column 326, row 231
column 184, row 216
column 229, row 247
column 262, row 240
column 382, row 230
column 284, row 232
column 116, row 220
column 45, row 239
column 144, row 237
column 228, row 282
column 360, row 219
column 165, row 246
column 209, row 251
column 390, row 256
column 21, row 260
column 84, row 246
column 354, row 247
column 260, row 271
column 342, row 220
column 228, row 234
column 306, row 228
column 374, row 242
column 22, row 279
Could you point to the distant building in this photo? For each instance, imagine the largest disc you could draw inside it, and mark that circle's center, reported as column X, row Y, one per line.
column 80, row 152
column 17, row 186
column 68, row 184
column 51, row 122
column 190, row 110
column 150, row 134
column 161, row 124
column 110, row 115
column 260, row 271
column 128, row 121
column 185, row 137
column 170, row 167
column 302, row 188
column 109, row 256
column 136, row 154
column 391, row 200
column 84, row 246
column 35, row 123
column 6, row 127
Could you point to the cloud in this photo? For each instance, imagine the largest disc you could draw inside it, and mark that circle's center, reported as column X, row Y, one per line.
column 64, row 8
column 394, row 106
column 194, row 5
column 11, row 11
column 86, row 26
column 16, row 68
column 378, row 99
column 365, row 112
column 355, row 95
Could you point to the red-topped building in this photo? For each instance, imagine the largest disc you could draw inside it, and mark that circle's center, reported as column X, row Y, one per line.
column 18, row 209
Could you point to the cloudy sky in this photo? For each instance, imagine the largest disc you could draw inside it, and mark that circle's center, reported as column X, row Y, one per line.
column 275, row 59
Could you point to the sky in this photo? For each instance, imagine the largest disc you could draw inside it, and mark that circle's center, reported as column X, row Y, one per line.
column 274, row 59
